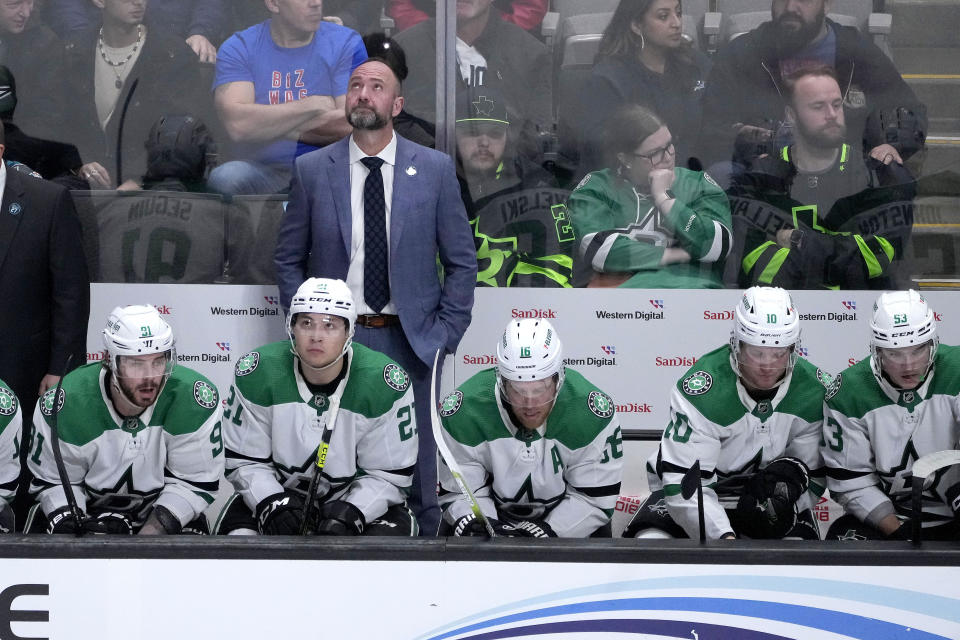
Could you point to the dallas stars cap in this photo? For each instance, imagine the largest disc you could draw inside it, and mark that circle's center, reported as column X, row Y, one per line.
column 481, row 104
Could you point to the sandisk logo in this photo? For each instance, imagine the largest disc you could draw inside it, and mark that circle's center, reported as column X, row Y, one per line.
column 487, row 359
column 675, row 361
column 634, row 407
column 537, row 314
column 717, row 315
column 937, row 316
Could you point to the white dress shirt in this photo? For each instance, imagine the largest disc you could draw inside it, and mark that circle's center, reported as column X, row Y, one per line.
column 358, row 175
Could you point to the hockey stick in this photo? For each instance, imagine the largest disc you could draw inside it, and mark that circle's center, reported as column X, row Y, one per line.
column 58, row 455
column 921, row 470
column 447, row 455
column 689, row 484
column 321, row 457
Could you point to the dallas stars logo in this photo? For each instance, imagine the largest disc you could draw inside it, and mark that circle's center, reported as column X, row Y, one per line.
column 451, row 404
column 247, row 364
column 697, row 383
column 851, row 535
column 600, row 404
column 8, row 403
column 659, row 507
column 204, row 394
column 46, row 405
column 395, row 377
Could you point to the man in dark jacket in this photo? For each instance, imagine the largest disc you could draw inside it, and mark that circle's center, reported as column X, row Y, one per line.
column 744, row 101
column 120, row 80
column 816, row 214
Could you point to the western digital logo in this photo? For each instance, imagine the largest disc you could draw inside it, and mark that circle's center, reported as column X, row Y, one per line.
column 609, row 349
column 223, row 346
column 656, row 304
column 803, row 352
column 851, row 305
column 272, row 299
column 248, row 311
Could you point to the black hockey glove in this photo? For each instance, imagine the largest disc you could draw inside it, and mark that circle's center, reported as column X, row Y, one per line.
column 953, row 499
column 109, row 523
column 471, row 526
column 7, row 518
column 62, row 521
column 767, row 507
column 340, row 518
column 534, row 529
column 280, row 514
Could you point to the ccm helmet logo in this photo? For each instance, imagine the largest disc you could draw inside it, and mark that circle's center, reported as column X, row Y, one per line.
column 901, row 334
column 9, row 615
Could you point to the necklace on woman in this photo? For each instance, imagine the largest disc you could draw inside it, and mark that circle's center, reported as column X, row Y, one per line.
column 115, row 66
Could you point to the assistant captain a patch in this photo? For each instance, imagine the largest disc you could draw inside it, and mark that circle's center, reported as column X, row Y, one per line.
column 697, row 383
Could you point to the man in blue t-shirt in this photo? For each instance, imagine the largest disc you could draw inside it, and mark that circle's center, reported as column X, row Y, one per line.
column 280, row 89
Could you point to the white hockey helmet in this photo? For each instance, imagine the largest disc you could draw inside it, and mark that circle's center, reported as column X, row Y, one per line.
column 138, row 330
column 765, row 317
column 323, row 295
column 901, row 319
column 529, row 350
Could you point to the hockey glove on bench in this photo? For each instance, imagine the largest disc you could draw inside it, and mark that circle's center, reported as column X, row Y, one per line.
column 768, row 504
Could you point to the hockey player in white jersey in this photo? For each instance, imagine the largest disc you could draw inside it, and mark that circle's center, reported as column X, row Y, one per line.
column 285, row 395
column 11, row 432
column 538, row 445
column 884, row 412
column 750, row 414
column 139, row 435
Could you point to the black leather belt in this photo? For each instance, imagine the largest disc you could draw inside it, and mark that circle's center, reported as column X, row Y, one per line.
column 377, row 320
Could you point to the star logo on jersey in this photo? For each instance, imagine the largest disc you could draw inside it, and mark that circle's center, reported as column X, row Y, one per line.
column 122, row 497
column 247, row 364
column 851, row 535
column 834, row 387
column 205, row 394
column 600, row 404
column 395, row 377
column 697, row 383
column 8, row 403
column 46, row 405
column 659, row 507
column 451, row 404
column 825, row 378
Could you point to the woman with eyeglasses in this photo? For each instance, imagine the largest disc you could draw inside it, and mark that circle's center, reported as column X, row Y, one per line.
column 644, row 59
column 644, row 222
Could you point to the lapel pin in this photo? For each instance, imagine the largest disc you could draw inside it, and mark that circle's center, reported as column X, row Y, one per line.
column 411, row 171
column 15, row 209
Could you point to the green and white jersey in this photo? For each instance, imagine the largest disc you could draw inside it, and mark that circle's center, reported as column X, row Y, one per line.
column 273, row 425
column 170, row 455
column 11, row 429
column 567, row 472
column 618, row 229
column 873, row 433
column 714, row 420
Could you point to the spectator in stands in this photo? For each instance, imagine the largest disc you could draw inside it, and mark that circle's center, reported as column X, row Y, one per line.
column 34, row 54
column 745, row 424
column 202, row 23
column 490, row 53
column 526, row 14
column 644, row 59
column 179, row 149
column 363, row 16
column 744, row 100
column 528, row 247
column 816, row 213
column 645, row 222
column 120, row 79
column 53, row 160
column 280, row 91
column 885, row 413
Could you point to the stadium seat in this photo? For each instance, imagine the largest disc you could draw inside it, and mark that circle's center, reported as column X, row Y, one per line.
column 560, row 10
column 153, row 236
